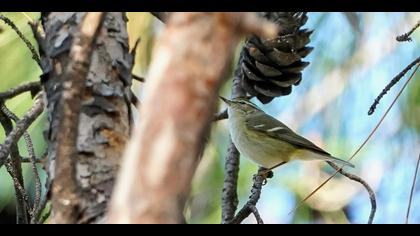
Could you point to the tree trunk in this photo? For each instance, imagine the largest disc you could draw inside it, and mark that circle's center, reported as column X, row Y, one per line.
column 104, row 120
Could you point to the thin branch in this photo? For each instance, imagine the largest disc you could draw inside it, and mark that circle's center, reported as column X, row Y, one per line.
column 221, row 115
column 364, row 142
column 18, row 185
column 391, row 84
column 412, row 190
column 16, row 169
column 21, row 126
column 33, row 87
column 406, row 36
column 256, row 214
column 362, row 182
column 162, row 16
column 138, row 78
column 31, row 47
column 133, row 98
column 32, row 157
column 249, row 206
column 65, row 198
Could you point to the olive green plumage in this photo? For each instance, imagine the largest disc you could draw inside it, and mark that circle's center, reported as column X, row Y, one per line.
column 267, row 141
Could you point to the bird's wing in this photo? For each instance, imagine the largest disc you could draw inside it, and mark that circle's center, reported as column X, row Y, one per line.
column 276, row 129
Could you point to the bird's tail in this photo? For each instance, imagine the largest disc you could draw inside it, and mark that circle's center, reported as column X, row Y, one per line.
column 338, row 161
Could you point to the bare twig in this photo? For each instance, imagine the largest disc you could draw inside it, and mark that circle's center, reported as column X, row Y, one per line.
column 32, row 157
column 362, row 182
column 221, row 115
column 256, row 214
column 364, row 142
column 16, row 168
column 412, row 190
column 133, row 98
column 20, row 189
column 391, row 84
column 250, row 205
column 162, row 16
column 33, row 87
column 65, row 199
column 31, row 47
column 406, row 36
column 21, row 126
column 138, row 78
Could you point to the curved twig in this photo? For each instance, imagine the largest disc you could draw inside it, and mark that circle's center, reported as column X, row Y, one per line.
column 362, row 182
column 21, row 126
column 364, row 142
column 32, row 157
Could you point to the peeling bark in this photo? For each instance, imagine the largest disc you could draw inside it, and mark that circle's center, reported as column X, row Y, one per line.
column 104, row 120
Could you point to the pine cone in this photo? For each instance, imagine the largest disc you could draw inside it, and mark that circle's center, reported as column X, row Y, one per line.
column 271, row 67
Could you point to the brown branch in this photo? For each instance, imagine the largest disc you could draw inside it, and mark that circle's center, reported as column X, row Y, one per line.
column 65, row 199
column 412, row 190
column 29, row 45
column 181, row 95
column 250, row 205
column 406, row 36
column 362, row 182
column 391, row 84
column 33, row 87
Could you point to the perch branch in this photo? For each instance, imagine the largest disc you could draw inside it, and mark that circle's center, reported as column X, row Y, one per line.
column 250, row 205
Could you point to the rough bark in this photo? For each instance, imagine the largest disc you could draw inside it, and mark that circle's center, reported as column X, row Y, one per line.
column 105, row 110
column 185, row 75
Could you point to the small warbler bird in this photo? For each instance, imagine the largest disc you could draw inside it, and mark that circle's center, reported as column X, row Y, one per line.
column 267, row 141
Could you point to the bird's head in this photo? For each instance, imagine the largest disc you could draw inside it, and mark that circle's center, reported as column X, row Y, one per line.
column 241, row 105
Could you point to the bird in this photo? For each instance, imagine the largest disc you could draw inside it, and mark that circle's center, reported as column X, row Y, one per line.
column 267, row 141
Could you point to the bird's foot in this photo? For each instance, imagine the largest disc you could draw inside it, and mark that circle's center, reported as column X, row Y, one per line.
column 265, row 174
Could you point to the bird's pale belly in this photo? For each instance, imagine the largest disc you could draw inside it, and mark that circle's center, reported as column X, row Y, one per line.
column 261, row 151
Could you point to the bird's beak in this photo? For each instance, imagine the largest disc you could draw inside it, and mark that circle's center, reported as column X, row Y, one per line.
column 227, row 101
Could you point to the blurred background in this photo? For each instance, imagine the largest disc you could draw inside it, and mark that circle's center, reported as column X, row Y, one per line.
column 355, row 57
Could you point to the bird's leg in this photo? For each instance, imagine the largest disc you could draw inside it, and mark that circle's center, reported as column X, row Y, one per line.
column 267, row 173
